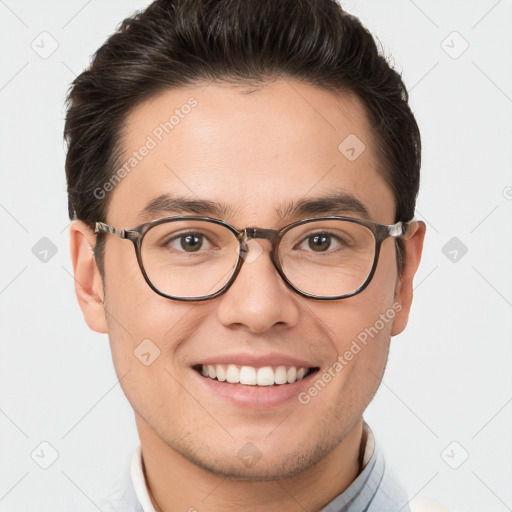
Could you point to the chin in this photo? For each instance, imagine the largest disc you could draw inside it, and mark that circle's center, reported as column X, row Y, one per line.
column 257, row 461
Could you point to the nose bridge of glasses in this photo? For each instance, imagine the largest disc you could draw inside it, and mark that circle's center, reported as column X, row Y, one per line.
column 255, row 232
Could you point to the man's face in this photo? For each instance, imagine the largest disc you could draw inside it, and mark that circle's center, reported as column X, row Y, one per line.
column 254, row 153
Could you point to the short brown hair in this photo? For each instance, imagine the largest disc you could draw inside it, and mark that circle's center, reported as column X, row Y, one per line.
column 174, row 43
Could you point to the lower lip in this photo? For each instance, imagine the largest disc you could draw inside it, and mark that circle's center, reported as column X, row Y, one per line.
column 259, row 397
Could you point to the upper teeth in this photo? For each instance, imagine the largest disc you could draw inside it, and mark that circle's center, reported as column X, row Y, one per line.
column 248, row 375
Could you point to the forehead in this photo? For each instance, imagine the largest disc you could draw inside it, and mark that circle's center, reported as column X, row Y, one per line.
column 254, row 151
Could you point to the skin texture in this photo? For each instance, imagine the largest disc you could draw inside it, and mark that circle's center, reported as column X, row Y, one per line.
column 252, row 149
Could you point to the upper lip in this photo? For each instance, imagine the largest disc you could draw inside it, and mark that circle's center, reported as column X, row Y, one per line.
column 257, row 361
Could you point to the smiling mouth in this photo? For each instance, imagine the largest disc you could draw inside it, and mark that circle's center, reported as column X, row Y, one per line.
column 264, row 376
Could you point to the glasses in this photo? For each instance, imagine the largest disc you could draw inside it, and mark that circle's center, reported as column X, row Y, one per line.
column 192, row 258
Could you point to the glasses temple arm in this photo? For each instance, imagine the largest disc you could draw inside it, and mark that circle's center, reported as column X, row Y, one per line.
column 105, row 228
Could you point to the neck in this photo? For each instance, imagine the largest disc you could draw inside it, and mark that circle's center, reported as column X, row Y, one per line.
column 177, row 484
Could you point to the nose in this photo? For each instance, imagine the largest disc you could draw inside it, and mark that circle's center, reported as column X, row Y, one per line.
column 259, row 298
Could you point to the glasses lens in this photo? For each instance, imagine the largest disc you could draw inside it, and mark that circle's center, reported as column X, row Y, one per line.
column 327, row 258
column 189, row 259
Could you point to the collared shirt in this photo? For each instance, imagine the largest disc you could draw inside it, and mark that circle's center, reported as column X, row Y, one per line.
column 373, row 490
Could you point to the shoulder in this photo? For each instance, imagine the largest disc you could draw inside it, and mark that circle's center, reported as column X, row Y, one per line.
column 420, row 504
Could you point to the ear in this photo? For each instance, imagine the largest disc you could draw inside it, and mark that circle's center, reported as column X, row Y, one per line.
column 413, row 246
column 88, row 281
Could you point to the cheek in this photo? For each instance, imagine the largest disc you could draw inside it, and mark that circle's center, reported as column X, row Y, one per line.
column 146, row 333
column 359, row 329
column 141, row 322
column 349, row 319
column 131, row 303
column 360, row 343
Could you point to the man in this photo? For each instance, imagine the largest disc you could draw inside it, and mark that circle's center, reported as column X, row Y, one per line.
column 243, row 176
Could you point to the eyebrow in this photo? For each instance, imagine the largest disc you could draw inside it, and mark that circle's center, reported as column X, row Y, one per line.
column 338, row 203
column 167, row 203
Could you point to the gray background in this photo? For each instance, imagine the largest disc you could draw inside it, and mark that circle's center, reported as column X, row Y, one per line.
column 447, row 391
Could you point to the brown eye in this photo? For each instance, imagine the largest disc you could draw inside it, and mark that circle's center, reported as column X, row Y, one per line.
column 188, row 243
column 191, row 243
column 320, row 242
